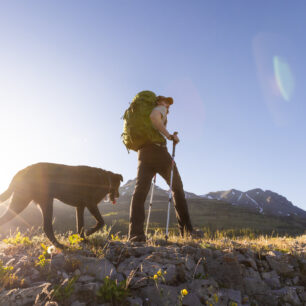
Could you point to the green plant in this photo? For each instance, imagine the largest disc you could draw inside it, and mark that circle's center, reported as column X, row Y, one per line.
column 75, row 240
column 112, row 291
column 115, row 237
column 7, row 278
column 63, row 291
column 200, row 276
column 18, row 239
column 43, row 259
column 183, row 293
column 159, row 277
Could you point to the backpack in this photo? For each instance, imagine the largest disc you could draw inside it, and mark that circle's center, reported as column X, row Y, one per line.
column 138, row 129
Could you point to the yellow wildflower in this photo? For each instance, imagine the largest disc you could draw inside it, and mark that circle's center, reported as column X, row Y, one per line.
column 216, row 298
column 159, row 273
column 184, row 292
column 165, row 272
column 155, row 277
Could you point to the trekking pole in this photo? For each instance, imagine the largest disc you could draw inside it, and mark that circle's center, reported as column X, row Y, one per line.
column 170, row 191
column 151, row 200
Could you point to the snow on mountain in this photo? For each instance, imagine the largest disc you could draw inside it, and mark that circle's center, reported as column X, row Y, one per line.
column 263, row 201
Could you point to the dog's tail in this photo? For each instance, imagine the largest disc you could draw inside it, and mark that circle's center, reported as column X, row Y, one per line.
column 6, row 194
column 15, row 182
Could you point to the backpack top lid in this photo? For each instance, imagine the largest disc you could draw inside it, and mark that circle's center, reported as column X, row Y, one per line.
column 146, row 95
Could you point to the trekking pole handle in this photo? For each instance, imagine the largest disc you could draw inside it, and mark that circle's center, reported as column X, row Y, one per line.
column 174, row 144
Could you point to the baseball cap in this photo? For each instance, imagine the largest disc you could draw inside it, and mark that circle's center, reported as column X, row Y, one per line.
column 169, row 100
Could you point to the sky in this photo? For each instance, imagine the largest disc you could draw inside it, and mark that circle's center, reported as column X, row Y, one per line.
column 235, row 69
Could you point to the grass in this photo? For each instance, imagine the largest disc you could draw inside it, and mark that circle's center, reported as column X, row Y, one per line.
column 33, row 241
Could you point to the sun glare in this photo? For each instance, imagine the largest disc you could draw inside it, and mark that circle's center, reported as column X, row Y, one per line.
column 284, row 77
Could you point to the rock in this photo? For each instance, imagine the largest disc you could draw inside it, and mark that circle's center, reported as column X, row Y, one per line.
column 217, row 253
column 130, row 264
column 302, row 296
column 267, row 299
column 280, row 265
column 249, row 262
column 119, row 277
column 191, row 299
column 140, row 251
column 77, row 272
column 231, row 295
column 190, row 263
column 273, row 283
column 206, row 253
column 164, row 295
column 171, row 276
column 134, row 301
column 99, row 268
column 86, row 278
column 65, row 275
column 138, row 282
column 35, row 275
column 302, row 264
column 203, row 288
column 295, row 280
column 25, row 296
column 58, row 262
column 225, row 270
column 86, row 292
column 254, row 286
column 77, row 303
column 288, row 294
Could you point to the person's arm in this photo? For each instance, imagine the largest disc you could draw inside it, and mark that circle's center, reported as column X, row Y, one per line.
column 156, row 119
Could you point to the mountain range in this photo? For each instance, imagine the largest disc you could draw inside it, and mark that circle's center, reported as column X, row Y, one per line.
column 257, row 200
column 234, row 211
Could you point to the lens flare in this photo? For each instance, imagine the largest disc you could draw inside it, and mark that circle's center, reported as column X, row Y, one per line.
column 284, row 77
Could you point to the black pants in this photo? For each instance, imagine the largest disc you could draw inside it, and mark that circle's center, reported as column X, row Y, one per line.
column 154, row 159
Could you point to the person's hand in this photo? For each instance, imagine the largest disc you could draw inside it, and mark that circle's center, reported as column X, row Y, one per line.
column 174, row 137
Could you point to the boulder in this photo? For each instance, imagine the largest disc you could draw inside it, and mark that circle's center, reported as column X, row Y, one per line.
column 288, row 295
column 99, row 268
column 226, row 270
column 163, row 295
column 19, row 297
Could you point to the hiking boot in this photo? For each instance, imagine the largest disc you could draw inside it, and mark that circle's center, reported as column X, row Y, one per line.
column 137, row 238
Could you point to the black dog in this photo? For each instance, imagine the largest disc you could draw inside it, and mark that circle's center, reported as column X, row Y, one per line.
column 78, row 186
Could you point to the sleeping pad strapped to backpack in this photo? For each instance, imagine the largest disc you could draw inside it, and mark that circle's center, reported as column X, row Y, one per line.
column 138, row 129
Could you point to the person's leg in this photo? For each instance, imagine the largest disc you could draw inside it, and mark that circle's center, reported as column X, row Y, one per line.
column 137, row 211
column 180, row 204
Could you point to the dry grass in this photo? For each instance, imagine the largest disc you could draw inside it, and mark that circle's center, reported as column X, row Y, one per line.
column 99, row 242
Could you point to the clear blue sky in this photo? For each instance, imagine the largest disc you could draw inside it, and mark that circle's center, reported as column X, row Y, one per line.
column 236, row 71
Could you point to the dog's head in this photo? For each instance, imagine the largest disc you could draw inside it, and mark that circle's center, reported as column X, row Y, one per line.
column 114, row 184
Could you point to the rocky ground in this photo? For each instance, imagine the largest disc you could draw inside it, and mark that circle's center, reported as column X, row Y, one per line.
column 181, row 272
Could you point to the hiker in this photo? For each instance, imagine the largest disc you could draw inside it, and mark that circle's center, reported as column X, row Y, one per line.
column 153, row 157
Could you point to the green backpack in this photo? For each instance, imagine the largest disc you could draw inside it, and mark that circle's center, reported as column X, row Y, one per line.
column 138, row 129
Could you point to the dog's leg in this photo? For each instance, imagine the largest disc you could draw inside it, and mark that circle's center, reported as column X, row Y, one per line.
column 47, row 212
column 18, row 204
column 100, row 222
column 80, row 220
